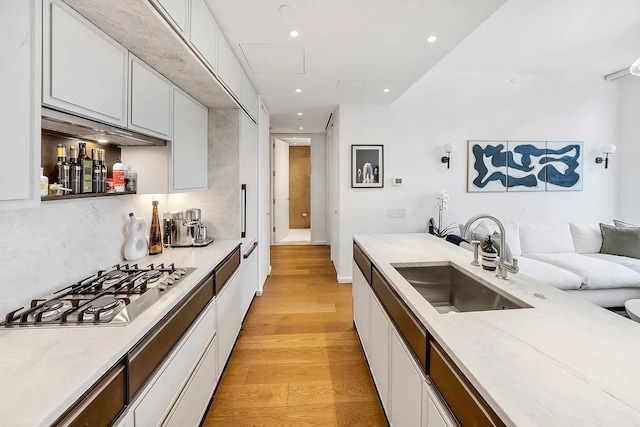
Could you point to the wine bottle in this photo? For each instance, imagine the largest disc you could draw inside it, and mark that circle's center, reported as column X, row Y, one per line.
column 62, row 167
column 155, row 233
column 103, row 171
column 95, row 171
column 75, row 171
column 87, row 168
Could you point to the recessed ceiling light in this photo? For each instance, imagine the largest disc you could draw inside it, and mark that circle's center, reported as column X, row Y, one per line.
column 386, row 90
column 298, row 90
column 295, row 137
column 294, row 33
column 432, row 39
column 299, row 114
column 301, row 128
column 103, row 141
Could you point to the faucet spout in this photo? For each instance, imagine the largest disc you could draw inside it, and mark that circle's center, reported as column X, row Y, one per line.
column 503, row 266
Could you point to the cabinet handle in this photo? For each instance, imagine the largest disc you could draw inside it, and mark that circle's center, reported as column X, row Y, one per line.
column 244, row 211
column 253, row 248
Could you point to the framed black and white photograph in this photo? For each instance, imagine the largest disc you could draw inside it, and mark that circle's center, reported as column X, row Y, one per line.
column 367, row 166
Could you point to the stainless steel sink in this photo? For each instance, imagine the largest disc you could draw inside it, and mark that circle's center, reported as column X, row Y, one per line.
column 448, row 289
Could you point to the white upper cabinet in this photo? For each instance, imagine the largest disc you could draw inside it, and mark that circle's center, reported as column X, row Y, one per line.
column 229, row 69
column 204, row 33
column 85, row 71
column 150, row 100
column 20, row 103
column 249, row 97
column 178, row 11
column 189, row 147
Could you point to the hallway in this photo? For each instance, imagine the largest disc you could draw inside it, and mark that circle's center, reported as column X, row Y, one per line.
column 298, row 360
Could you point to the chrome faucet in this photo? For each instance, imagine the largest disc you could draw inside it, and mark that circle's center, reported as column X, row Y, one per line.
column 503, row 266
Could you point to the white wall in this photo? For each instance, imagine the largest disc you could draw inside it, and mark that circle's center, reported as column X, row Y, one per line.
column 455, row 107
column 319, row 189
column 624, row 161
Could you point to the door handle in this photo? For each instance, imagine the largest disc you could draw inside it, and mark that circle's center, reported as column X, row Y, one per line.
column 244, row 211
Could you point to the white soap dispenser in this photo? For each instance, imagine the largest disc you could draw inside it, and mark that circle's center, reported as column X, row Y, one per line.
column 136, row 245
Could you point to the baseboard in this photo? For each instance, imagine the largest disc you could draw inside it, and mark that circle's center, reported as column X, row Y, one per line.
column 345, row 279
column 259, row 293
column 319, row 243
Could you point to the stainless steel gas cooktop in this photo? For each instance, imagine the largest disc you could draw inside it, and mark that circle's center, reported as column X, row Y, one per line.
column 110, row 297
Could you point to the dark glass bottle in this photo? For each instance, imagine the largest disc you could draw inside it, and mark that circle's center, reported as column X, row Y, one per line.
column 96, row 171
column 155, row 233
column 62, row 167
column 103, row 171
column 75, row 171
column 489, row 254
column 87, row 168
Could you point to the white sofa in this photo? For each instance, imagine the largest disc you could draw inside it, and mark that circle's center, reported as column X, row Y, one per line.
column 566, row 256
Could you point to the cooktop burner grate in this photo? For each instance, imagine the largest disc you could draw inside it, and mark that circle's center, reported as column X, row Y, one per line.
column 109, row 297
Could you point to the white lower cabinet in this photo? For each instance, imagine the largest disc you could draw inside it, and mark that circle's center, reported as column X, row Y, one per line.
column 379, row 357
column 165, row 391
column 407, row 396
column 229, row 318
column 361, row 307
column 406, row 386
column 194, row 401
column 126, row 420
column 435, row 413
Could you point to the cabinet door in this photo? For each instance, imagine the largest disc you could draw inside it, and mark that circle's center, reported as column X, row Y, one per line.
column 150, row 100
column 249, row 177
column 249, row 269
column 189, row 145
column 406, row 387
column 177, row 11
column 126, row 420
column 229, row 69
column 194, row 400
column 204, row 33
column 249, row 97
column 229, row 319
column 361, row 308
column 20, row 103
column 379, row 359
column 85, row 71
column 435, row 412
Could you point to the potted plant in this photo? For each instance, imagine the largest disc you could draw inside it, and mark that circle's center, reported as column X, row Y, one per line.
column 442, row 198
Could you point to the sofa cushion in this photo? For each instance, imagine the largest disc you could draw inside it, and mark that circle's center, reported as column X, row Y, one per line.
column 623, row 241
column 549, row 274
column 545, row 238
column 632, row 263
column 619, row 223
column 595, row 273
column 587, row 238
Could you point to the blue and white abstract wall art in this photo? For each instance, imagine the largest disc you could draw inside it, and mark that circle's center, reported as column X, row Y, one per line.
column 564, row 166
column 498, row 166
column 525, row 166
column 487, row 162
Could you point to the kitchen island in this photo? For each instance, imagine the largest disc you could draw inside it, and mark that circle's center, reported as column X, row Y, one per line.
column 560, row 362
column 45, row 370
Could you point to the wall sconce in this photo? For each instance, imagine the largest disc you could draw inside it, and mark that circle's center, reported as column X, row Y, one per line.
column 606, row 149
column 448, row 148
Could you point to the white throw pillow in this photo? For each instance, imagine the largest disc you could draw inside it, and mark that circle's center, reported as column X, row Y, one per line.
column 587, row 238
column 545, row 238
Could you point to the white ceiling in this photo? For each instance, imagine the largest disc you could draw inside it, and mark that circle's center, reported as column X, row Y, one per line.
column 378, row 42
column 552, row 36
column 296, row 141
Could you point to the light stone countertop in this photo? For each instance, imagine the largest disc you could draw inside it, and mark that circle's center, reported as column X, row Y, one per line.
column 564, row 362
column 43, row 371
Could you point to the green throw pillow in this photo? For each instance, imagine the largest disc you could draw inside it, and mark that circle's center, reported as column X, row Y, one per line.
column 620, row 241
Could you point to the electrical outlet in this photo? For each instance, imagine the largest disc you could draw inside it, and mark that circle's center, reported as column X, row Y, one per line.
column 397, row 213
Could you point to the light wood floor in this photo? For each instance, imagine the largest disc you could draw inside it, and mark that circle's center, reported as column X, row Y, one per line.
column 298, row 360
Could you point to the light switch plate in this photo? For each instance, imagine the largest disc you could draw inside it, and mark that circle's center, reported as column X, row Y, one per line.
column 397, row 213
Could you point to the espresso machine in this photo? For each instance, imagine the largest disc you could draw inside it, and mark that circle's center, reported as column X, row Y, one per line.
column 185, row 228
